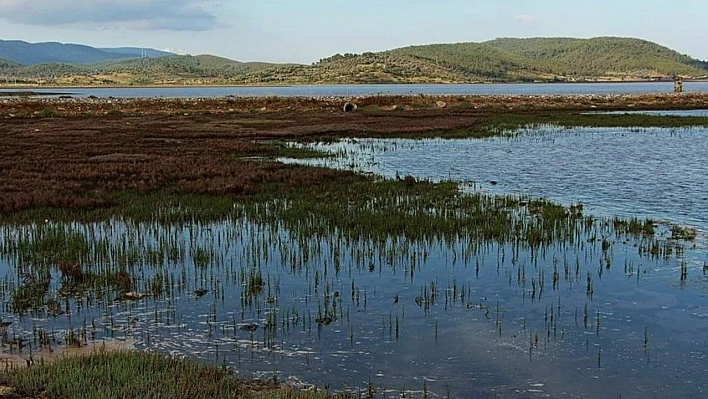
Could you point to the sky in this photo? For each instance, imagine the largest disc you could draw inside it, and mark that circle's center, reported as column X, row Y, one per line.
column 307, row 30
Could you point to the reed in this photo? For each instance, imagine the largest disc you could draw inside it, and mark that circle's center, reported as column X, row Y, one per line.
column 140, row 374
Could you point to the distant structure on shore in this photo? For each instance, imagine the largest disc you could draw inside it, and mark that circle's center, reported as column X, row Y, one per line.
column 678, row 84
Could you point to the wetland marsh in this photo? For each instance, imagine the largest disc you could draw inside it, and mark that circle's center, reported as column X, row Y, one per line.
column 443, row 274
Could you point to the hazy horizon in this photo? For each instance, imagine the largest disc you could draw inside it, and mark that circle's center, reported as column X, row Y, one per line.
column 282, row 31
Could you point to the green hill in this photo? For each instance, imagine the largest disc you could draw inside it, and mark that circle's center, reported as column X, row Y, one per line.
column 499, row 60
column 179, row 68
column 350, row 68
column 608, row 56
column 200, row 65
column 5, row 64
column 175, row 69
column 53, row 69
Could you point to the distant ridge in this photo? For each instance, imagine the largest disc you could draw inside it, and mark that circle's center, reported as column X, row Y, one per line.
column 52, row 52
column 136, row 52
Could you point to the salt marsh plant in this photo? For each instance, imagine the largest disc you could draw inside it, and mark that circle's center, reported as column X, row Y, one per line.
column 135, row 374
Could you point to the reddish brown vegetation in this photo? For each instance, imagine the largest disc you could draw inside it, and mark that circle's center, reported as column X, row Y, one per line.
column 80, row 162
column 78, row 154
column 409, row 181
column 71, row 271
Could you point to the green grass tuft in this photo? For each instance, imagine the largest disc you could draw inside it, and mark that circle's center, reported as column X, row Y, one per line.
column 139, row 375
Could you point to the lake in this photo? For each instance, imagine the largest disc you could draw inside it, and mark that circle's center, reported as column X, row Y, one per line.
column 369, row 90
column 591, row 312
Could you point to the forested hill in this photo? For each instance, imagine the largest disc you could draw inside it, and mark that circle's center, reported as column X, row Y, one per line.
column 603, row 55
column 499, row 60
column 502, row 60
column 7, row 64
column 165, row 70
column 180, row 69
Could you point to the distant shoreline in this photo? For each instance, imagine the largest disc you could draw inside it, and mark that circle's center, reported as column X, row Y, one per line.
column 46, row 91
column 52, row 87
column 35, row 87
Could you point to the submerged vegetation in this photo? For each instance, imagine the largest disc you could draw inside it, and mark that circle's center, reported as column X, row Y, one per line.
column 268, row 270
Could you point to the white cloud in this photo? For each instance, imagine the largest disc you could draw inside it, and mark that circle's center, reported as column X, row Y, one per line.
column 525, row 17
column 190, row 15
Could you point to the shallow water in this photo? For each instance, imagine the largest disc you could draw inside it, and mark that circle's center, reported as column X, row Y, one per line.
column 453, row 316
column 383, row 89
column 654, row 173
column 682, row 112
column 469, row 320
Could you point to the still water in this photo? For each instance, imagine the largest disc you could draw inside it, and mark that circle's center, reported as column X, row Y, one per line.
column 369, row 90
column 597, row 314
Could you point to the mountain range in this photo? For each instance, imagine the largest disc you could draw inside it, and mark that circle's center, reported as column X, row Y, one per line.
column 52, row 52
column 499, row 60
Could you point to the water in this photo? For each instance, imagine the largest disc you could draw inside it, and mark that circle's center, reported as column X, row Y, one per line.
column 682, row 112
column 598, row 315
column 644, row 172
column 368, row 90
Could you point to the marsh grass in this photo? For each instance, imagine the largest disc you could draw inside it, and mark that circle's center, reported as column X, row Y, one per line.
column 320, row 235
column 140, row 375
column 683, row 233
column 209, row 152
column 506, row 125
column 282, row 149
column 508, row 122
column 398, row 219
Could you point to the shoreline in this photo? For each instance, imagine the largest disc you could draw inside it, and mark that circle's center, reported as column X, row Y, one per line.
column 403, row 105
column 332, row 84
column 186, row 86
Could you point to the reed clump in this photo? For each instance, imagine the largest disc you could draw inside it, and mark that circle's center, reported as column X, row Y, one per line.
column 139, row 375
column 683, row 233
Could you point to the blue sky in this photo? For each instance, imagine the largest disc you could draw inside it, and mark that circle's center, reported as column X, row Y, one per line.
column 307, row 30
